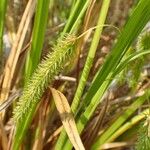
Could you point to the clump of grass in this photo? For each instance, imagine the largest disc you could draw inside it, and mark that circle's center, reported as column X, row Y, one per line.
column 56, row 61
column 108, row 71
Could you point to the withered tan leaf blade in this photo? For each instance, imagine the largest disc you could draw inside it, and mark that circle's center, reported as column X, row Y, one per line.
column 12, row 60
column 67, row 119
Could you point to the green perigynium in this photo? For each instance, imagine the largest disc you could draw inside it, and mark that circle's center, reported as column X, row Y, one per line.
column 133, row 70
column 144, row 41
column 143, row 142
column 44, row 74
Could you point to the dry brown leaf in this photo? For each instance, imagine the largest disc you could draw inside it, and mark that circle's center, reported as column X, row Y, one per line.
column 16, row 49
column 116, row 145
column 3, row 136
column 55, row 134
column 67, row 119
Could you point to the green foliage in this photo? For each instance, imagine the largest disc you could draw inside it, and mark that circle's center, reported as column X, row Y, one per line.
column 63, row 51
column 109, row 133
column 143, row 133
column 3, row 5
column 87, row 67
column 103, row 78
column 75, row 16
column 129, row 128
column 37, row 84
column 45, row 72
column 34, row 54
column 128, row 35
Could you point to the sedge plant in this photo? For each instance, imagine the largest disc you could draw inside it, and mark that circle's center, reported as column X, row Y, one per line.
column 63, row 51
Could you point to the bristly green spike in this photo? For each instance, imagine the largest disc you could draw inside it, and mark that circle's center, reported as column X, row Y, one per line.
column 44, row 74
column 143, row 142
column 36, row 85
column 144, row 41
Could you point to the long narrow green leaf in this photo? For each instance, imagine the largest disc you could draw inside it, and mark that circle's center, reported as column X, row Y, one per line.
column 75, row 15
column 39, row 28
column 78, row 19
column 3, row 4
column 128, row 125
column 141, row 14
column 129, row 59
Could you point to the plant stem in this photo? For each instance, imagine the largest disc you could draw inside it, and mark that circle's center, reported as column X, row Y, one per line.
column 3, row 6
column 39, row 29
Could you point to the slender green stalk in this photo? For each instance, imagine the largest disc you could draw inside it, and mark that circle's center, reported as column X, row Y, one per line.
column 3, row 5
column 79, row 6
column 73, row 5
column 39, row 29
column 88, row 65
column 91, row 55
column 78, row 19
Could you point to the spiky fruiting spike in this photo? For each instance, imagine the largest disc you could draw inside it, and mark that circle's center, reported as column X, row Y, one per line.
column 144, row 41
column 143, row 142
column 43, row 75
